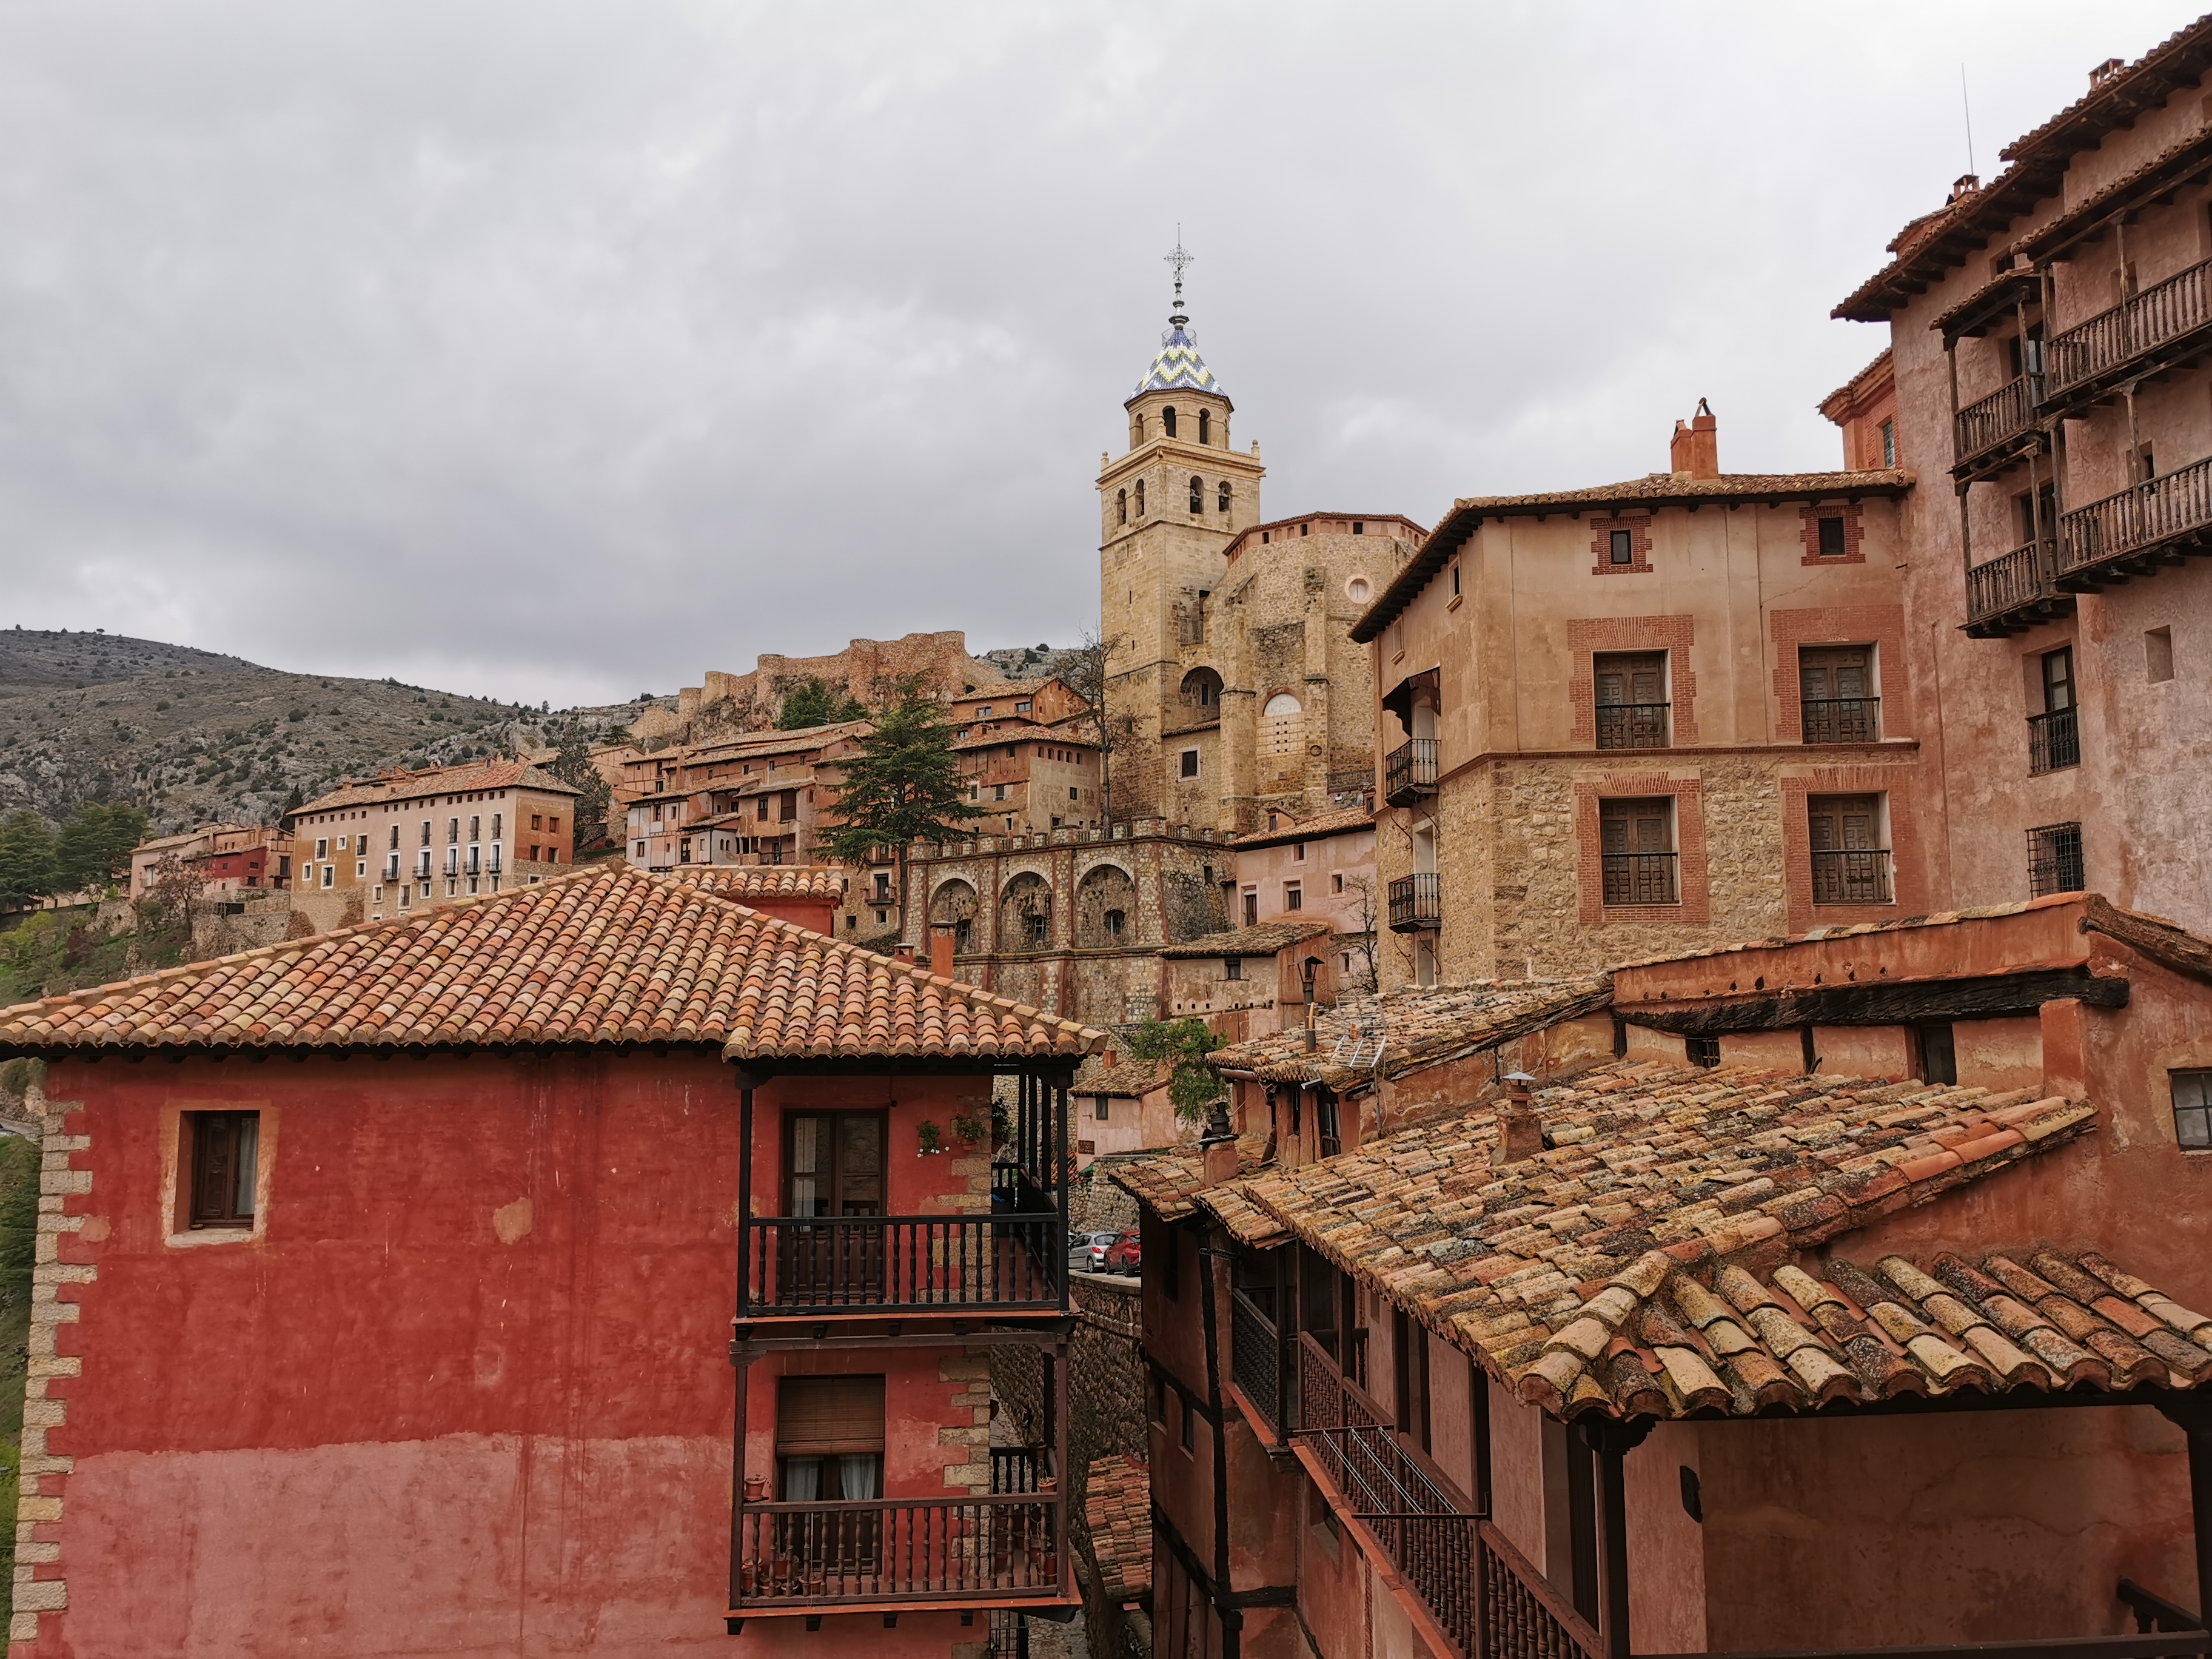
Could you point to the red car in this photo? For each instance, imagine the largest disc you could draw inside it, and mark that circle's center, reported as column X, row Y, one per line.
column 1125, row 1255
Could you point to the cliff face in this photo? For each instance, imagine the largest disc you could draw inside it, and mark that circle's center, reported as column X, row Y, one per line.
column 868, row 670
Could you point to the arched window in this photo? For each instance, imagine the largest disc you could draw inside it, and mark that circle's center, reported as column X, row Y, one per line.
column 1282, row 703
column 1201, row 689
column 1167, row 420
column 1122, row 504
column 1141, row 498
column 1221, row 499
column 1197, row 494
column 1206, row 426
column 1136, row 430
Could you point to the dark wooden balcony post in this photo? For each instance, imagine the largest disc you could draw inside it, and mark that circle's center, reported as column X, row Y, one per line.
column 744, row 1195
column 2193, row 1417
column 1613, row 1441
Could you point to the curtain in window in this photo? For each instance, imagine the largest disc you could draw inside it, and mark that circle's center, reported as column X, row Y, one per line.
column 857, row 1474
column 802, row 1479
column 805, row 1134
column 249, row 1143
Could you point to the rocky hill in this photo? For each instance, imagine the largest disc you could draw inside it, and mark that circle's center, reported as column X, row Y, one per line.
column 1034, row 662
column 193, row 736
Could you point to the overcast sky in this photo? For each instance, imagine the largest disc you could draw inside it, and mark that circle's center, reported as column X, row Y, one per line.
column 551, row 350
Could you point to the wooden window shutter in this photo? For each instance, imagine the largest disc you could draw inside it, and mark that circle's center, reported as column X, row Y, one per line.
column 827, row 1416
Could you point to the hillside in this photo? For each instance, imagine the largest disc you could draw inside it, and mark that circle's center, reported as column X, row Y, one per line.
column 194, row 737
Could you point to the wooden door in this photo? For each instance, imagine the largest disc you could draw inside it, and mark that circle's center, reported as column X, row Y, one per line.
column 833, row 1170
column 1835, row 687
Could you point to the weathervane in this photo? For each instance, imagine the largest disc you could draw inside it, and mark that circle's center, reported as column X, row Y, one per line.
column 1180, row 257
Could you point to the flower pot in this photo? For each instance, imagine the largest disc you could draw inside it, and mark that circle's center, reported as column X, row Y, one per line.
column 1047, row 1484
column 748, row 1576
column 818, row 1581
column 756, row 1489
column 780, row 1569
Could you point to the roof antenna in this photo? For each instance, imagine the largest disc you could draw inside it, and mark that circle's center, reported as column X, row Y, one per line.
column 1965, row 107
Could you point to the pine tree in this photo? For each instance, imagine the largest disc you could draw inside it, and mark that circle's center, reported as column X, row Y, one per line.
column 814, row 703
column 571, row 763
column 93, row 847
column 28, row 868
column 903, row 785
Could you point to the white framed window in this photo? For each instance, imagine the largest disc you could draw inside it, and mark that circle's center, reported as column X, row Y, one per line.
column 361, row 869
column 322, row 848
column 330, row 874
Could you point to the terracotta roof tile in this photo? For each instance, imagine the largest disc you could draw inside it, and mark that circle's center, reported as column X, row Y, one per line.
column 1629, row 1236
column 442, row 780
column 1127, row 1079
column 1334, row 823
column 1404, row 1030
column 1117, row 1503
column 741, row 882
column 608, row 955
column 1168, row 1185
column 1261, row 939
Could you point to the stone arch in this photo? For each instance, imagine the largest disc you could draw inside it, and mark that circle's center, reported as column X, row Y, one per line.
column 1197, row 494
column 1122, row 505
column 1141, row 498
column 1280, row 704
column 955, row 901
column 1282, row 741
column 1206, row 426
column 1202, row 692
column 1168, row 420
column 1026, row 914
column 1105, row 908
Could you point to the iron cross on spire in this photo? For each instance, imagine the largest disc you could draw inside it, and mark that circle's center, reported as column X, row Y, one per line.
column 1179, row 258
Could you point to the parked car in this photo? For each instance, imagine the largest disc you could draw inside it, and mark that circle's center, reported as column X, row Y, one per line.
column 1086, row 1252
column 1124, row 1255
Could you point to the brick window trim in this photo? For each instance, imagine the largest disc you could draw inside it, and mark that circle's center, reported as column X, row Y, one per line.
column 1593, row 636
column 1695, row 907
column 1907, row 892
column 1881, row 626
column 1639, row 527
column 1811, row 515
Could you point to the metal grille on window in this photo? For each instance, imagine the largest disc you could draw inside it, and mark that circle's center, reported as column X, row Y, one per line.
column 1834, row 687
column 1637, row 844
column 1632, row 701
column 2054, row 859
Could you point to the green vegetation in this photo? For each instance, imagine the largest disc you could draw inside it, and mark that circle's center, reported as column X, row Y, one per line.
column 572, row 765
column 1194, row 1087
column 92, row 850
column 816, row 702
column 903, row 784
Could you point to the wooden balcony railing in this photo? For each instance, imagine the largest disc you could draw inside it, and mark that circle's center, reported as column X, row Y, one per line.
column 1409, row 771
column 2014, row 590
column 864, row 1264
column 871, row 1551
column 1417, row 902
column 1632, row 725
column 2144, row 518
column 1255, row 1360
column 1986, row 427
column 1523, row 1616
column 2092, row 355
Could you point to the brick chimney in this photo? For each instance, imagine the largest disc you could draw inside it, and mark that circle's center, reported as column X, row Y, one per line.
column 2105, row 71
column 1520, row 1130
column 1965, row 184
column 1696, row 451
column 940, row 949
column 903, row 951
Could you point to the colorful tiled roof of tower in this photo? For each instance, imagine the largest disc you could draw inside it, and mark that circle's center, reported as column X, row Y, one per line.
column 1178, row 366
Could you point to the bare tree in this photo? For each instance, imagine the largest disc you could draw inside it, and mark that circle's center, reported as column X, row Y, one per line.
column 1361, row 890
column 1114, row 733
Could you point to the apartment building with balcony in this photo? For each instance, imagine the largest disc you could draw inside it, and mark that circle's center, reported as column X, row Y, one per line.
column 2048, row 334
column 1024, row 776
column 761, row 798
column 628, row 1282
column 1625, row 720
column 403, row 842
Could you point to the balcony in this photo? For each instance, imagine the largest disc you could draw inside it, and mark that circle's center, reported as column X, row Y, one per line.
column 1417, row 903
column 1380, row 1482
column 1841, row 720
column 2013, row 591
column 1639, row 879
column 807, row 1267
column 1632, row 725
column 899, row 1554
column 1990, row 434
column 2161, row 521
column 2161, row 327
column 1255, row 1361
column 2054, row 742
column 1851, row 876
column 1409, row 772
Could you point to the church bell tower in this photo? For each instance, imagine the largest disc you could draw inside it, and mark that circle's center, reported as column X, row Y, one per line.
column 1170, row 508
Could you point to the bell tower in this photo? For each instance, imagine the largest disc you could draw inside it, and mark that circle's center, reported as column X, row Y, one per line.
column 1169, row 508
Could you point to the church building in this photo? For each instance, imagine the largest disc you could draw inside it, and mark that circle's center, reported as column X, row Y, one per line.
column 1233, row 684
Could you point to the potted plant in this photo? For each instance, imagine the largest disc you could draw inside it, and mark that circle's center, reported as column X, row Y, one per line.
column 817, row 1579
column 748, row 1576
column 930, row 1136
column 756, row 1489
column 971, row 1128
column 780, row 1570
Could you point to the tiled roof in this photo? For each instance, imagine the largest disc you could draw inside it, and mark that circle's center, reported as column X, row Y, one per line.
column 1117, row 1503
column 1652, row 1178
column 1654, row 490
column 442, row 780
column 1404, row 1030
column 1261, row 939
column 1127, row 1079
column 1168, row 1185
column 752, row 743
column 1334, row 823
column 610, row 954
column 1020, row 728
column 2158, row 174
column 741, row 882
column 1178, row 366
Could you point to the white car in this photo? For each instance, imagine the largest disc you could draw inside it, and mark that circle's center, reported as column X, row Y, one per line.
column 1086, row 1252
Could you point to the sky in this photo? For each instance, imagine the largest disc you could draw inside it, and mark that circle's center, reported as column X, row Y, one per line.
column 559, row 351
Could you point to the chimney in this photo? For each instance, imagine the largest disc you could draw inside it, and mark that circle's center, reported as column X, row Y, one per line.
column 1108, row 1059
column 2104, row 71
column 940, row 949
column 1520, row 1130
column 902, row 952
column 1696, row 451
column 1965, row 184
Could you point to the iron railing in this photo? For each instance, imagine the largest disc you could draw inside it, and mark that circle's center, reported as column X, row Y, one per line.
column 1639, row 877
column 2110, row 342
column 874, row 1551
column 2021, row 577
column 1417, row 902
column 1842, row 720
column 1255, row 1360
column 1853, row 875
column 890, row 1264
column 1990, row 423
column 1632, row 725
column 2054, row 741
column 2135, row 519
column 1409, row 771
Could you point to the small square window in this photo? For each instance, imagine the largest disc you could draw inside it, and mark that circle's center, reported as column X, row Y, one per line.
column 1190, row 762
column 225, row 1149
column 1623, row 544
column 1103, row 1108
column 1831, row 537
column 1702, row 1050
column 2192, row 1109
column 1294, row 898
column 1232, row 967
column 1888, row 444
column 1336, row 882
